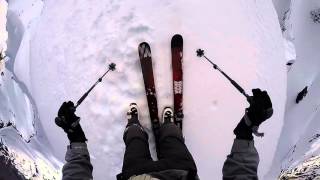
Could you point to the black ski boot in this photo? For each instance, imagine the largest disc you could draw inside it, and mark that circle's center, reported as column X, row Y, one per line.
column 132, row 115
column 133, row 120
column 167, row 115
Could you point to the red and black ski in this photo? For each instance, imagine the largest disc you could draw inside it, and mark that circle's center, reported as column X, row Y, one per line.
column 177, row 56
column 147, row 72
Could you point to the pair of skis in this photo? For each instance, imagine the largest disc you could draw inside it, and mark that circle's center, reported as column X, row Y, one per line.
column 147, row 72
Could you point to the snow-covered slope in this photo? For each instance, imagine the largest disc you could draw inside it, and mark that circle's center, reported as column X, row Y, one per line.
column 24, row 149
column 16, row 109
column 23, row 146
column 56, row 57
column 299, row 138
column 3, row 33
column 75, row 40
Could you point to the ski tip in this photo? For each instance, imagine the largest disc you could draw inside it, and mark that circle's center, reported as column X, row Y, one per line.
column 177, row 41
column 144, row 44
column 144, row 50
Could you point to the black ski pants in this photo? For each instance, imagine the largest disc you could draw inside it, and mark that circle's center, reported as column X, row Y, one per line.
column 172, row 152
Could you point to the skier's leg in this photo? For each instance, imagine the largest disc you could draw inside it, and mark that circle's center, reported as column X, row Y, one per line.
column 173, row 150
column 136, row 140
column 137, row 158
column 137, row 147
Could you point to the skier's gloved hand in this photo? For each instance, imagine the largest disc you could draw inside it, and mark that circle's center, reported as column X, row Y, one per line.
column 260, row 107
column 69, row 122
column 260, row 110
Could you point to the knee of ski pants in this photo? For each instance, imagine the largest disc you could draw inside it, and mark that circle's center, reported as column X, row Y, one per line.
column 134, row 132
column 170, row 130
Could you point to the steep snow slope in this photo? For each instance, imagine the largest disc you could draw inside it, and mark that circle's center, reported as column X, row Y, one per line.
column 3, row 33
column 23, row 145
column 75, row 40
column 21, row 16
column 16, row 110
column 299, row 137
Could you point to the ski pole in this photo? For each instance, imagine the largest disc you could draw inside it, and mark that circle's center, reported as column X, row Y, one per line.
column 200, row 53
column 112, row 67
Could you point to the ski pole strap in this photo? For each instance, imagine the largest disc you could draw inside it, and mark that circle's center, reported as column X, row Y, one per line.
column 255, row 131
column 253, row 128
column 74, row 124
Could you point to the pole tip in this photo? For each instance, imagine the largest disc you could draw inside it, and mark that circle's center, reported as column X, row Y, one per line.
column 112, row 66
column 200, row 52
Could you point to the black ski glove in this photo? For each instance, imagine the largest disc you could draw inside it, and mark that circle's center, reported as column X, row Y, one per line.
column 69, row 122
column 260, row 110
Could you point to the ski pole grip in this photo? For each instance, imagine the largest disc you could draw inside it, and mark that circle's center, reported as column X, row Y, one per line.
column 249, row 98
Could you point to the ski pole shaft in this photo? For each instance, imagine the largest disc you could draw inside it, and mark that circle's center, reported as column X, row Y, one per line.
column 83, row 97
column 112, row 67
column 200, row 53
column 235, row 84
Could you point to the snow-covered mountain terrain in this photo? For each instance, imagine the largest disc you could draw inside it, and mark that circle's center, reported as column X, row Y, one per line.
column 56, row 49
column 297, row 154
column 24, row 149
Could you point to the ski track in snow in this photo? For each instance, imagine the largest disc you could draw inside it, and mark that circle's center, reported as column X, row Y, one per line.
column 76, row 40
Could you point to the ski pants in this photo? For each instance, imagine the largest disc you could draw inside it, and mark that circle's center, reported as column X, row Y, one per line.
column 172, row 152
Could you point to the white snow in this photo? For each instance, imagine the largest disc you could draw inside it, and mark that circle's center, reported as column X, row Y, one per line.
column 21, row 135
column 298, row 140
column 59, row 48
column 21, row 132
column 16, row 107
column 74, row 41
column 3, row 33
column 32, row 160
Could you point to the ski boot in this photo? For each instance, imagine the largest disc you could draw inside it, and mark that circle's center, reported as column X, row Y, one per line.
column 132, row 115
column 133, row 118
column 167, row 115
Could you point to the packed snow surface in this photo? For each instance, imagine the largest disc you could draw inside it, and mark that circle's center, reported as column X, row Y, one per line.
column 72, row 43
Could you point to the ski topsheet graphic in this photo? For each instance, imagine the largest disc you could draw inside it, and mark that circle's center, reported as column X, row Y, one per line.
column 177, row 74
column 147, row 72
column 177, row 77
